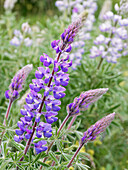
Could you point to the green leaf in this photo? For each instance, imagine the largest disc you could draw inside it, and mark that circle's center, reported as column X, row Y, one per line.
column 4, row 164
column 53, row 156
column 43, row 164
column 30, row 155
column 37, row 157
column 20, row 166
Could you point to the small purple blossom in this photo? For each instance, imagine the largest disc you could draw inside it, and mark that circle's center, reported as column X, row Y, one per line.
column 17, row 83
column 51, row 83
column 82, row 102
column 99, row 127
column 39, row 147
column 67, row 37
column 112, row 47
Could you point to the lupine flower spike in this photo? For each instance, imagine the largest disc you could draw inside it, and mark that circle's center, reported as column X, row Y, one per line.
column 30, row 126
column 113, row 44
column 82, row 102
column 17, row 83
column 91, row 134
column 60, row 78
column 15, row 88
column 73, row 9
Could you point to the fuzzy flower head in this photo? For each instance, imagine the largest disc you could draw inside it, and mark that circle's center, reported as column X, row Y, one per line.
column 9, row 4
column 21, row 36
column 67, row 37
column 123, row 9
column 82, row 102
column 17, row 83
column 110, row 44
column 99, row 127
column 25, row 27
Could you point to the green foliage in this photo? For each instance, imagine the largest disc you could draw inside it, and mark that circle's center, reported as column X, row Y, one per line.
column 108, row 152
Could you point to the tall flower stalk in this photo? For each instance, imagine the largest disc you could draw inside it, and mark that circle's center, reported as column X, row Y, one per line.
column 15, row 88
column 52, row 84
column 80, row 103
column 91, row 134
column 113, row 44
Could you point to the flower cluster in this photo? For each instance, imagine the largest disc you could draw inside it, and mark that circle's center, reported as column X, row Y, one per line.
column 82, row 102
column 67, row 37
column 9, row 4
column 17, row 83
column 75, row 8
column 97, row 128
column 113, row 44
column 52, row 93
column 22, row 37
column 123, row 9
column 52, row 85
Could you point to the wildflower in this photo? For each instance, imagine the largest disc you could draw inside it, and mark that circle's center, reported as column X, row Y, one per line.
column 67, row 37
column 84, row 100
column 39, row 147
column 123, row 7
column 106, row 7
column 91, row 134
column 15, row 41
column 21, row 38
column 78, row 7
column 112, row 47
column 9, row 4
column 53, row 91
column 25, row 27
column 99, row 127
column 75, row 8
column 17, row 83
column 27, row 42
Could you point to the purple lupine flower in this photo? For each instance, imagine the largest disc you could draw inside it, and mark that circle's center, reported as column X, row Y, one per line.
column 67, row 37
column 17, row 83
column 82, row 102
column 51, row 83
column 91, row 134
column 112, row 47
column 39, row 147
column 99, row 127
column 34, row 99
column 77, row 53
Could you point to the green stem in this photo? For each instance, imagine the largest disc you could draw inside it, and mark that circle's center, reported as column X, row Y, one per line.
column 76, row 153
column 6, row 117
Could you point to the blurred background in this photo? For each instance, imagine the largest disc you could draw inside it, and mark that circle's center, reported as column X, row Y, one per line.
column 47, row 22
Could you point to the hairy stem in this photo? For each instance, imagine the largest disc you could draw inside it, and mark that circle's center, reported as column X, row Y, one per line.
column 6, row 117
column 71, row 123
column 8, row 111
column 77, row 151
column 63, row 123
